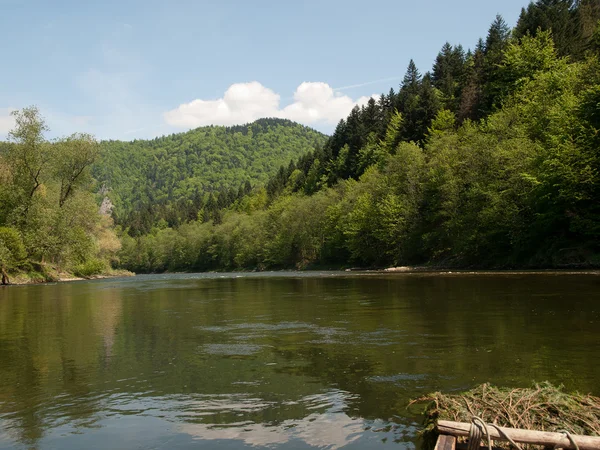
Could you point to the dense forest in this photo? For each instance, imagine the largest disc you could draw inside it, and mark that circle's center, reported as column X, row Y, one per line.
column 491, row 159
column 183, row 177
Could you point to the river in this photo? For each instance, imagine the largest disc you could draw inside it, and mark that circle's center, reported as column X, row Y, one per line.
column 278, row 360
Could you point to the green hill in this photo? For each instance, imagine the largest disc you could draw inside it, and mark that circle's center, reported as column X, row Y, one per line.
column 174, row 177
column 488, row 161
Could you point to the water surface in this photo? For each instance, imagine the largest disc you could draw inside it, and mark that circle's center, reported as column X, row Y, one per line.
column 277, row 360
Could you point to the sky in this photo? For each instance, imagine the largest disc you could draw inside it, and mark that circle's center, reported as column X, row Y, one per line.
column 140, row 69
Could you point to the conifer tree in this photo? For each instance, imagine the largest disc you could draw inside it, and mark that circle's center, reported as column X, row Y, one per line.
column 559, row 16
column 495, row 43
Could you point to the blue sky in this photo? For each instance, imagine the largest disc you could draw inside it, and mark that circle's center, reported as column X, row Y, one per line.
column 139, row 69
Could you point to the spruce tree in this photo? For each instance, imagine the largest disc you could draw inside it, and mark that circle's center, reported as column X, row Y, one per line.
column 495, row 43
column 559, row 16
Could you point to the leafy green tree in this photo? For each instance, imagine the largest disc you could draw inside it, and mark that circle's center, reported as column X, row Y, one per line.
column 28, row 158
column 48, row 198
column 73, row 157
column 12, row 249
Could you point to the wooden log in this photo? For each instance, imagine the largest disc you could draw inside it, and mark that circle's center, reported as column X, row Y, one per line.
column 445, row 442
column 465, row 446
column 546, row 438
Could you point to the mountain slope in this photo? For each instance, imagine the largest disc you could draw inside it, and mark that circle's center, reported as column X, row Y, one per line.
column 174, row 177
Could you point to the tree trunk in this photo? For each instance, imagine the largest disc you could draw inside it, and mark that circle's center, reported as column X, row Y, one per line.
column 5, row 280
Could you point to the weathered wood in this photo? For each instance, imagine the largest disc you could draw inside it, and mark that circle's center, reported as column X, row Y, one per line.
column 547, row 438
column 465, row 446
column 445, row 442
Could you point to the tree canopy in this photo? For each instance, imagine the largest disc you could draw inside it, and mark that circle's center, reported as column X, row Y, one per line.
column 489, row 160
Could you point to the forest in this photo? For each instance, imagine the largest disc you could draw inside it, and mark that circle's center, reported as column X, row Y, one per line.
column 489, row 160
column 179, row 178
column 50, row 222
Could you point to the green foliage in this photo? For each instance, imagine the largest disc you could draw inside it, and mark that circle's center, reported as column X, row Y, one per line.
column 490, row 161
column 12, row 249
column 89, row 268
column 559, row 16
column 173, row 177
column 48, row 213
column 448, row 73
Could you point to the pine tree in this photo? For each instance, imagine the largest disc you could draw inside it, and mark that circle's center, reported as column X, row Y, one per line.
column 559, row 16
column 448, row 74
column 471, row 94
column 495, row 43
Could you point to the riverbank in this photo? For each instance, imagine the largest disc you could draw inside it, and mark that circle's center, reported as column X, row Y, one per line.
column 49, row 274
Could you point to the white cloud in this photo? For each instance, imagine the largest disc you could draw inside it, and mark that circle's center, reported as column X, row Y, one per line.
column 314, row 103
column 242, row 102
column 7, row 122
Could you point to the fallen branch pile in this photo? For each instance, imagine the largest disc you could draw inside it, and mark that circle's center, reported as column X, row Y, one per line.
column 544, row 407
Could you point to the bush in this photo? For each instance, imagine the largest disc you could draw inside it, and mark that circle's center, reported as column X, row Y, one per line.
column 89, row 268
column 12, row 249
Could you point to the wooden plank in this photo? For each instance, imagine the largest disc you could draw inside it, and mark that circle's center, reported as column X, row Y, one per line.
column 547, row 438
column 445, row 442
column 465, row 446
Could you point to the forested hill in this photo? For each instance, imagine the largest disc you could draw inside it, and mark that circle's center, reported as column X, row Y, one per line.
column 173, row 178
column 491, row 159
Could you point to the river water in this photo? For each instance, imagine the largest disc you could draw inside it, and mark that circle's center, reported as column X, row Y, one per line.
column 278, row 360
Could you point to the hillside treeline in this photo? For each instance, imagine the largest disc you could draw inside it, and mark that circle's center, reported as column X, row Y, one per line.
column 491, row 159
column 171, row 180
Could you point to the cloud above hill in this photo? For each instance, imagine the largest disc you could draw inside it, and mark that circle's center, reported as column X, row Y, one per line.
column 313, row 103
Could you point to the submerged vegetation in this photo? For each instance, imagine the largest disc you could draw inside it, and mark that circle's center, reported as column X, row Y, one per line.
column 543, row 407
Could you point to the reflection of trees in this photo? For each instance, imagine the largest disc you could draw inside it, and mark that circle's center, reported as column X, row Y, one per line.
column 21, row 390
column 49, row 375
column 70, row 352
column 453, row 332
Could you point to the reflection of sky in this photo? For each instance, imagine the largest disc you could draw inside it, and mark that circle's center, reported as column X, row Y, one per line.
column 331, row 428
column 232, row 421
column 328, row 430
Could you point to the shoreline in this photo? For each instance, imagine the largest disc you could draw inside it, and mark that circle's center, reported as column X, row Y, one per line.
column 24, row 279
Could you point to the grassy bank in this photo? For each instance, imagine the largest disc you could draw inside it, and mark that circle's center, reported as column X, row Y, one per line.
column 47, row 273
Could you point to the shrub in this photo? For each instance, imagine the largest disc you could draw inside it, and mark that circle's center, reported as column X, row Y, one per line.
column 89, row 268
column 12, row 249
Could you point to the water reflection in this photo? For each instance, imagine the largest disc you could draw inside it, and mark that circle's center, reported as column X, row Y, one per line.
column 325, row 361
column 328, row 426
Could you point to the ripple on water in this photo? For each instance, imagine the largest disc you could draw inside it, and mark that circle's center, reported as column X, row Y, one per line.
column 231, row 349
column 397, row 378
column 281, row 326
column 324, row 424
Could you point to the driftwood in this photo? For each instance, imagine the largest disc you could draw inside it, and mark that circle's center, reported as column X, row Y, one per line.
column 5, row 279
column 546, row 438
